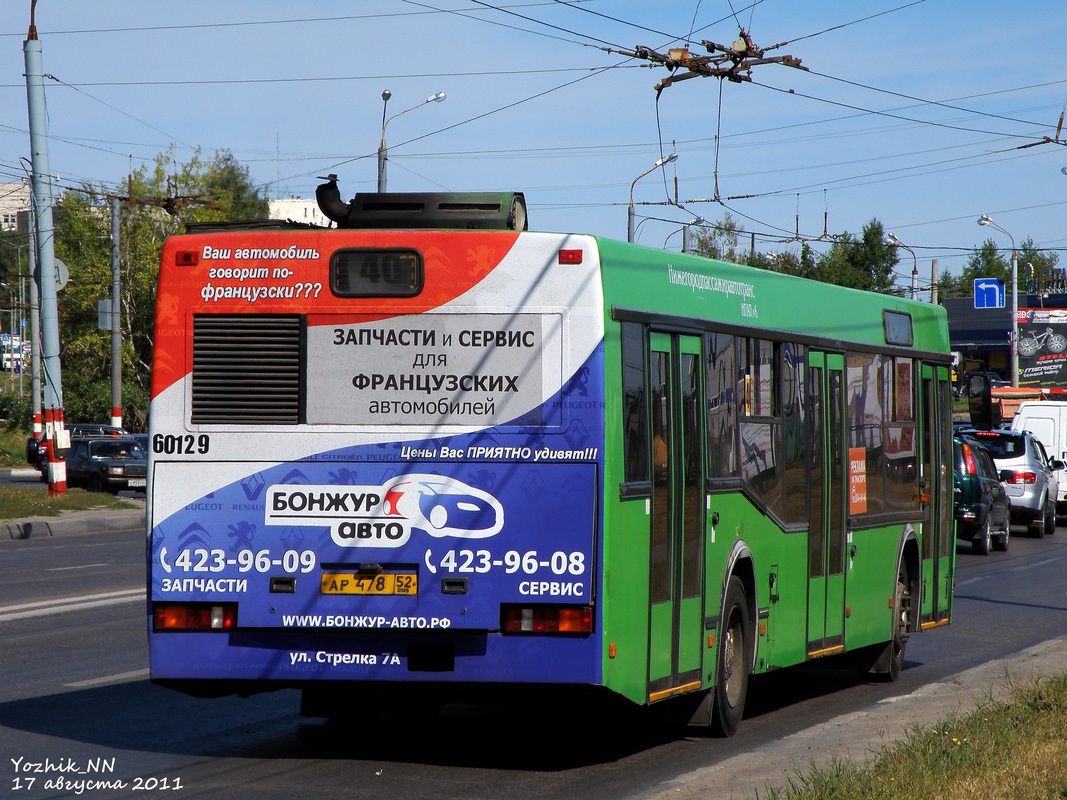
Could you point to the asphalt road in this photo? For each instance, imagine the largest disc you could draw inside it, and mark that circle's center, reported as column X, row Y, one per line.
column 74, row 695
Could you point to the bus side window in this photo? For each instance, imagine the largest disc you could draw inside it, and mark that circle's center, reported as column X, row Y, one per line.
column 721, row 379
column 634, row 405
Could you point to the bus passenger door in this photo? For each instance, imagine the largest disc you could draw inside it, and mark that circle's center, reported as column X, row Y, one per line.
column 676, row 580
column 826, row 532
column 935, row 495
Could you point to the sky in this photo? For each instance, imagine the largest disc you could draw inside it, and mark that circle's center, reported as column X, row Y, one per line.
column 909, row 112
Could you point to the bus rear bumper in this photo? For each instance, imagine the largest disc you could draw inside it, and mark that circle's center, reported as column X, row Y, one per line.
column 212, row 664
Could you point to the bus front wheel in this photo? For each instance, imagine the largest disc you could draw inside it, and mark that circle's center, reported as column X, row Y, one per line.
column 734, row 660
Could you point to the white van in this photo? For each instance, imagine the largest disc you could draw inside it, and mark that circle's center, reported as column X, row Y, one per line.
column 1047, row 420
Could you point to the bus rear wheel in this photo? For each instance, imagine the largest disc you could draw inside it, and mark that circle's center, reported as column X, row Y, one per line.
column 734, row 659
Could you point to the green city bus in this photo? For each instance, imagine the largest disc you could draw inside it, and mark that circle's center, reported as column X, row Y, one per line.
column 429, row 455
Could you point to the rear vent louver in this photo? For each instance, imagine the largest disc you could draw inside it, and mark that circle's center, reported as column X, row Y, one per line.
column 246, row 369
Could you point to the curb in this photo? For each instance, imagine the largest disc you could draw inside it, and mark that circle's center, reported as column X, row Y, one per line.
column 75, row 523
column 19, row 472
column 862, row 735
column 70, row 522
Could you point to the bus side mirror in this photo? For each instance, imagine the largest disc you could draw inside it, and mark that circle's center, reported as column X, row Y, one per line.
column 980, row 403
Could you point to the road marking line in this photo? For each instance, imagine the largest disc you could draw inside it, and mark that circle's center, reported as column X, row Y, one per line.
column 61, row 600
column 80, row 566
column 60, row 605
column 121, row 677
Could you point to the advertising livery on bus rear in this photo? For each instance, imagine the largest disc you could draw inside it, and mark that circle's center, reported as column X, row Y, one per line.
column 428, row 456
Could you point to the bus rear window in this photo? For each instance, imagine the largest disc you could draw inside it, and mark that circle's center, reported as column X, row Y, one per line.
column 376, row 273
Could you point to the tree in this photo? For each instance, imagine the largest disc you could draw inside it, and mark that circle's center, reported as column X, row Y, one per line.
column 949, row 285
column 11, row 252
column 1038, row 270
column 865, row 263
column 161, row 200
column 802, row 264
column 987, row 262
column 718, row 240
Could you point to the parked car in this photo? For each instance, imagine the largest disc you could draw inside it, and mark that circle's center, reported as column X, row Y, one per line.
column 1027, row 473
column 981, row 504
column 37, row 448
column 106, row 464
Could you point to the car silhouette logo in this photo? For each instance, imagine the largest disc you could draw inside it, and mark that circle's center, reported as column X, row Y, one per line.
column 442, row 506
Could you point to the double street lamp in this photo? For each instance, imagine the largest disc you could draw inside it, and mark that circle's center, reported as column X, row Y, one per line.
column 653, row 168
column 985, row 220
column 382, row 149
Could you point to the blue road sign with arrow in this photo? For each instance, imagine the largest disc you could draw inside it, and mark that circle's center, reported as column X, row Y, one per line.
column 988, row 293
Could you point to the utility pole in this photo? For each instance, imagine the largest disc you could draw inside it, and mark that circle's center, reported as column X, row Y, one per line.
column 169, row 204
column 35, row 331
column 116, row 333
column 42, row 200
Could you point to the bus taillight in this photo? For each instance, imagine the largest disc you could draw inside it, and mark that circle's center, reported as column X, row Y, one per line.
column 186, row 258
column 194, row 617
column 570, row 256
column 546, row 619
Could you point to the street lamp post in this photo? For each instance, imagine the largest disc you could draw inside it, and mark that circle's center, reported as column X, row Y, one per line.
column 914, row 265
column 630, row 214
column 684, row 230
column 19, row 311
column 985, row 220
column 383, row 150
column 687, row 243
column 8, row 363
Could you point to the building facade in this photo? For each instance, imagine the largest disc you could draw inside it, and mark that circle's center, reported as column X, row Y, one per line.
column 14, row 197
column 983, row 337
column 298, row 209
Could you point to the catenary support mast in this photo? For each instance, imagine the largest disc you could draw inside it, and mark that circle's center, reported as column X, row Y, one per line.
column 43, row 200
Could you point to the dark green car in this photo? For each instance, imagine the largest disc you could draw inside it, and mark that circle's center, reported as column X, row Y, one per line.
column 982, row 506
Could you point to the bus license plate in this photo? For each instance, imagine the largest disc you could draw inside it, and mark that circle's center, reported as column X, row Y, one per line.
column 403, row 583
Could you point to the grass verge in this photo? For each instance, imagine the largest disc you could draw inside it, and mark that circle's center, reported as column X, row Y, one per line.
column 1015, row 749
column 35, row 502
column 12, row 447
column 32, row 500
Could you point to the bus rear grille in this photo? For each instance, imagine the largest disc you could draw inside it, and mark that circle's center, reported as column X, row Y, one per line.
column 247, row 369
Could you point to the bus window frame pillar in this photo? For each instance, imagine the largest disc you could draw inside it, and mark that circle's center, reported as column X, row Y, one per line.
column 630, row 210
column 983, row 221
